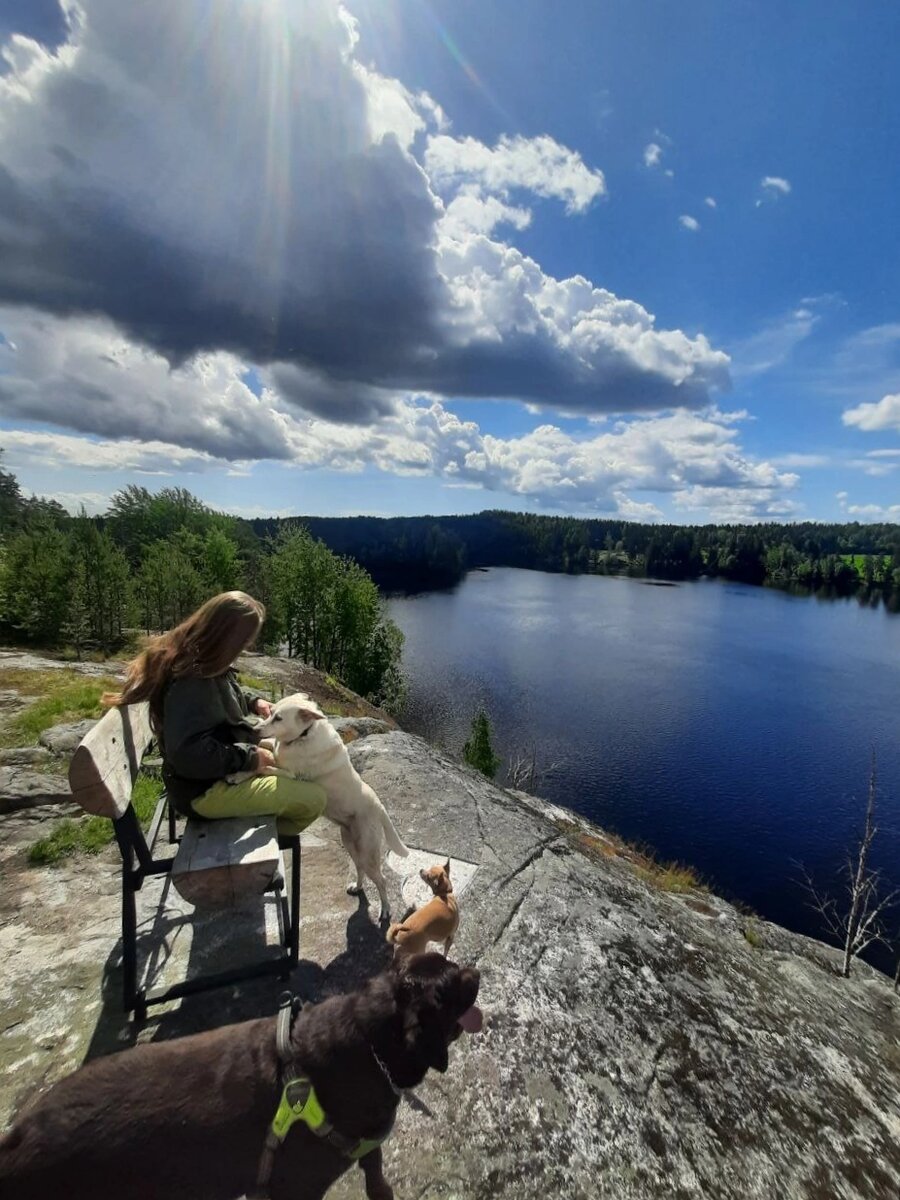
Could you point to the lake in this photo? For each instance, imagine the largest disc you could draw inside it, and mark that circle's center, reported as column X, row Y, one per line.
column 727, row 726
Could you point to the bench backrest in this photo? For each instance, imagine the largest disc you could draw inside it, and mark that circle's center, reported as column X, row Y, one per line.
column 105, row 765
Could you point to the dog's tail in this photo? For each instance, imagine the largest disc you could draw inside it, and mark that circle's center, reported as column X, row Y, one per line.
column 390, row 833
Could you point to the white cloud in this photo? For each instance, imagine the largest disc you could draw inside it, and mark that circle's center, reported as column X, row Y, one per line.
column 669, row 173
column 470, row 211
column 773, row 187
column 737, row 505
column 92, row 503
column 793, row 461
column 677, row 453
column 867, row 513
column 774, row 344
column 687, row 222
column 873, row 418
column 393, row 110
column 875, row 512
column 540, row 165
column 694, row 457
column 652, row 155
column 296, row 232
column 710, row 202
column 874, row 469
column 38, row 448
column 774, row 183
column 82, row 373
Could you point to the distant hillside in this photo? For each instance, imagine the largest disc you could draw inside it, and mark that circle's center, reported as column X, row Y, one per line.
column 406, row 551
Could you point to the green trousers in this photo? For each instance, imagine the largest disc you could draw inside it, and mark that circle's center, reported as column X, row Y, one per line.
column 295, row 802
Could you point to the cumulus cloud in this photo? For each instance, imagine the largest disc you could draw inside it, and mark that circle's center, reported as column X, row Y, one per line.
column 670, row 453
column 737, row 505
column 652, row 155
column 82, row 373
column 266, row 203
column 710, row 202
column 237, row 199
column 687, row 222
column 874, row 418
column 627, row 468
column 540, row 165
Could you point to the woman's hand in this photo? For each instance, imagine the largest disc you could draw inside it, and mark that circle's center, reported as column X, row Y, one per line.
column 262, row 708
column 264, row 759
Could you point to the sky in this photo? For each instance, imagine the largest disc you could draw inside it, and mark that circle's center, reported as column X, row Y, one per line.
column 435, row 256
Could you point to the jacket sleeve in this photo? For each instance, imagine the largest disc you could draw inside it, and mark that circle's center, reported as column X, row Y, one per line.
column 194, row 747
column 251, row 695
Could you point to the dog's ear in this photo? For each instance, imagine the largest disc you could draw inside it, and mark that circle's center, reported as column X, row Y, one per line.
column 309, row 714
column 447, row 867
column 425, row 1035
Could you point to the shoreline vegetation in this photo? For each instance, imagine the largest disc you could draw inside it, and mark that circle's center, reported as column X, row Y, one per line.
column 419, row 553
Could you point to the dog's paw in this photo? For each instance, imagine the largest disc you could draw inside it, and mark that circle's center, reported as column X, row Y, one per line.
column 354, row 889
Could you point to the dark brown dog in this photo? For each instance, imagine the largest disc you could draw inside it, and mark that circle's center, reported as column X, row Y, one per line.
column 187, row 1119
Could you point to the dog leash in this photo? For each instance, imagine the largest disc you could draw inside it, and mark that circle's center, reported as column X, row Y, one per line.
column 299, row 1102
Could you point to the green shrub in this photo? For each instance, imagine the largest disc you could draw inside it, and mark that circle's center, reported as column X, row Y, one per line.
column 478, row 751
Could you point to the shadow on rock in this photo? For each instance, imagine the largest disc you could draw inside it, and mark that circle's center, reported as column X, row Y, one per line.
column 366, row 954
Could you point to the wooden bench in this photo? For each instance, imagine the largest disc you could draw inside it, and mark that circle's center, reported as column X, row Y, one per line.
column 218, row 863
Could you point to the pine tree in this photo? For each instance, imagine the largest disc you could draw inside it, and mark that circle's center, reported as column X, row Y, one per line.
column 77, row 626
column 478, row 751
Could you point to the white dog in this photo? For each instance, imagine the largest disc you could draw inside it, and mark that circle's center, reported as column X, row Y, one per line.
column 307, row 746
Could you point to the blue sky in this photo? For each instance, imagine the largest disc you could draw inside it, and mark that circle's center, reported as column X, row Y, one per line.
column 604, row 258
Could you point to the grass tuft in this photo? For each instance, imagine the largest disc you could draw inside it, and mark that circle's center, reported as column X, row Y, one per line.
column 90, row 835
column 60, row 696
column 753, row 936
column 667, row 876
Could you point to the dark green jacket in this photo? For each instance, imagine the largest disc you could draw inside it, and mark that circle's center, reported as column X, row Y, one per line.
column 207, row 733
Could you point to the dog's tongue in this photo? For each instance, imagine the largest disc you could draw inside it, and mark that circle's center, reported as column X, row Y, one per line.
column 472, row 1020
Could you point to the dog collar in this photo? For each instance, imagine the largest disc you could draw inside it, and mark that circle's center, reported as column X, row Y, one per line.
column 290, row 741
column 386, row 1073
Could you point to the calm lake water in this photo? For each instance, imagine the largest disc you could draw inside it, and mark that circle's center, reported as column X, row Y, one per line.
column 727, row 726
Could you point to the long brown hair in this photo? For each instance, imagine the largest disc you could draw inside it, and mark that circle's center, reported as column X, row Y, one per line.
column 204, row 645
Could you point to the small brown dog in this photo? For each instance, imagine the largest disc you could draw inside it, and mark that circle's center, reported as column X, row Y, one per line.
column 437, row 921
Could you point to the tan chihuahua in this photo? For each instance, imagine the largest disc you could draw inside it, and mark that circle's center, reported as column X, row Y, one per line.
column 435, row 922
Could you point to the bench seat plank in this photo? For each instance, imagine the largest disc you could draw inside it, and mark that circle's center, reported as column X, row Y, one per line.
column 221, row 862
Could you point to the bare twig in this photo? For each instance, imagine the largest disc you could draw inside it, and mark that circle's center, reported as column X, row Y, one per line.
column 523, row 772
column 862, row 922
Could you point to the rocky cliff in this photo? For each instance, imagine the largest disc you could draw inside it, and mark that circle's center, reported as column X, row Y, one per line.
column 638, row 1043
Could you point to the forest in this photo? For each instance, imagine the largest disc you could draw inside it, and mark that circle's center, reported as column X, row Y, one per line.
column 435, row 551
column 95, row 584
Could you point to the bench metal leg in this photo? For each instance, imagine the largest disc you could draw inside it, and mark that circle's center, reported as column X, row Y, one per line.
column 294, row 933
column 129, row 940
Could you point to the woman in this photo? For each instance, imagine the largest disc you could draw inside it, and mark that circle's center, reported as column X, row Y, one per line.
column 201, row 717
